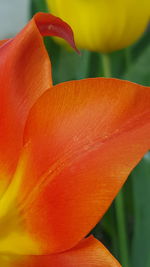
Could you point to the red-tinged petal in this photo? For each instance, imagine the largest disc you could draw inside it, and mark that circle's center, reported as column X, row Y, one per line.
column 25, row 73
column 84, row 139
column 88, row 253
column 54, row 26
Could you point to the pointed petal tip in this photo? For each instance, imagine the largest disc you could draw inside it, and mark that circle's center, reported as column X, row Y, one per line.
column 50, row 25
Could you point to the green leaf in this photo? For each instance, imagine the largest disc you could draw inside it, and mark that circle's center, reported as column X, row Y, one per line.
column 139, row 71
column 141, row 197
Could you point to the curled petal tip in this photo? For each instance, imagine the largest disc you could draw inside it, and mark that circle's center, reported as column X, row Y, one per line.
column 50, row 25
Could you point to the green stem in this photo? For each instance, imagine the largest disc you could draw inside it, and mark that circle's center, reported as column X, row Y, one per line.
column 128, row 59
column 106, row 65
column 122, row 233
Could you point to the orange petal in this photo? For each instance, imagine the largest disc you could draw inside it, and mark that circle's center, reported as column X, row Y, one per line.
column 89, row 252
column 84, row 139
column 25, row 73
column 3, row 41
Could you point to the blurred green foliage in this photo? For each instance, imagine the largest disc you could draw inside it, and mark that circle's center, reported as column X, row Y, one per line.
column 38, row 6
column 141, row 200
column 139, row 71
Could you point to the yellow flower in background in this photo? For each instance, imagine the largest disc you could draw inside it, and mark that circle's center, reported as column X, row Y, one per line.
column 103, row 25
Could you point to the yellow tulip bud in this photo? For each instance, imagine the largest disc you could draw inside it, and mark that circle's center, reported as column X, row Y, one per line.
column 103, row 25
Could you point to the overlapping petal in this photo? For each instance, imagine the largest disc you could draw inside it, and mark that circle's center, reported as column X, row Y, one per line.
column 25, row 73
column 82, row 140
column 89, row 252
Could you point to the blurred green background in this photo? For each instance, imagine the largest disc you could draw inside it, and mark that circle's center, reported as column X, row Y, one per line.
column 125, row 229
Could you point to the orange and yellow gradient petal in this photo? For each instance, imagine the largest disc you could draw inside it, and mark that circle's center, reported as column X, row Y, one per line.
column 25, row 73
column 89, row 252
column 82, row 140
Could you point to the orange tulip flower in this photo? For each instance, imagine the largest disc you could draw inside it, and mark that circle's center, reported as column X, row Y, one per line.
column 65, row 152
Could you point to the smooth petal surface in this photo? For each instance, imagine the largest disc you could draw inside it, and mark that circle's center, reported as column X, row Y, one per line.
column 89, row 252
column 84, row 138
column 101, row 25
column 25, row 73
